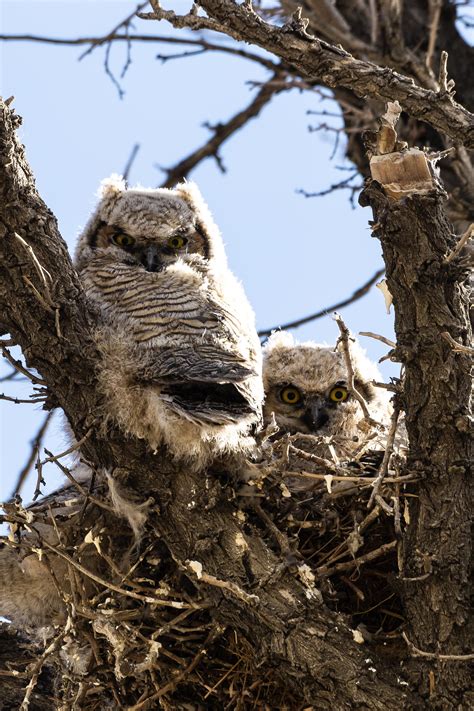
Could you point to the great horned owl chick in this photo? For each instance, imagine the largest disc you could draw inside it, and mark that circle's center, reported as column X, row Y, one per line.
column 306, row 390
column 181, row 357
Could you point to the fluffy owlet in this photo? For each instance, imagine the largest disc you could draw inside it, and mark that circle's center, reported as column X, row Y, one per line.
column 306, row 389
column 181, row 357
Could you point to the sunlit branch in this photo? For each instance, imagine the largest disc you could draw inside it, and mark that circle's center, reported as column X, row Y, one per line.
column 221, row 132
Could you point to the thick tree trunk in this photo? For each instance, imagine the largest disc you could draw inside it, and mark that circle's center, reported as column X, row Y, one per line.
column 430, row 298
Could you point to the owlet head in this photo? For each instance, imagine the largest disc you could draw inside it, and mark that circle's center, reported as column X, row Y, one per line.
column 306, row 386
column 150, row 228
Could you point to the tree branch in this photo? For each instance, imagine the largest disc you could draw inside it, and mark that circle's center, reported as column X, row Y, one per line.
column 317, row 60
column 358, row 294
column 429, row 300
column 221, row 132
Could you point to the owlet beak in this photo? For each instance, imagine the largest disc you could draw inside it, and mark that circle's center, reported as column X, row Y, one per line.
column 316, row 415
column 151, row 259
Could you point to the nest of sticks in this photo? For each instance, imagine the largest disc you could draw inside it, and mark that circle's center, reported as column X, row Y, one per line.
column 139, row 633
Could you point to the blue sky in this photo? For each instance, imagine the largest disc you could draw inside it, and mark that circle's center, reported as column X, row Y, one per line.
column 293, row 255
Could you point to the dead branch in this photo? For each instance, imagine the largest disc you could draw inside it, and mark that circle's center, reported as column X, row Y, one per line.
column 221, row 132
column 203, row 44
column 344, row 342
column 358, row 294
column 318, row 60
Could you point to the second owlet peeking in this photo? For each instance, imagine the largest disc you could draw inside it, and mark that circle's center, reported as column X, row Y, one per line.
column 181, row 358
column 306, row 389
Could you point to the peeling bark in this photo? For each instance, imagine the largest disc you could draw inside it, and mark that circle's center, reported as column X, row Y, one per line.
column 430, row 297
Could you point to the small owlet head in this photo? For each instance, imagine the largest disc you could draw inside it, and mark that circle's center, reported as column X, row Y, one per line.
column 150, row 228
column 306, row 387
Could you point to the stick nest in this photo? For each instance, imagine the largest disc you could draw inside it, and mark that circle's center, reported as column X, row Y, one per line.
column 135, row 629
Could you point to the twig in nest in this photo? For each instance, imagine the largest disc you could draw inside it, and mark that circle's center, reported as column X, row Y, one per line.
column 280, row 537
column 38, row 665
column 344, row 341
column 107, row 584
column 457, row 347
column 434, row 655
column 461, row 243
column 386, row 456
column 326, row 571
column 196, row 568
column 171, row 685
column 345, row 546
column 361, row 480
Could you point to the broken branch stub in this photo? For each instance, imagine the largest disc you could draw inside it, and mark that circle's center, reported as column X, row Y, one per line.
column 401, row 172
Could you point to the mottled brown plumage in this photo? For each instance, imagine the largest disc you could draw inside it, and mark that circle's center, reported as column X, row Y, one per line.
column 306, row 391
column 181, row 360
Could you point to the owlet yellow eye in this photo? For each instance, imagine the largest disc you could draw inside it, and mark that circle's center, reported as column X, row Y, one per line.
column 339, row 394
column 290, row 395
column 177, row 242
column 123, row 240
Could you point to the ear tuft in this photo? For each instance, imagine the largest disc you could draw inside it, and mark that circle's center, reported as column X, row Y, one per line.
column 111, row 186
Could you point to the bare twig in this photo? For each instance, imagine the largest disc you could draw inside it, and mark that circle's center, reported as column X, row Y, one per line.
column 386, row 457
column 223, row 584
column 457, row 347
column 107, row 584
column 435, row 11
column 221, row 133
column 169, row 686
column 358, row 294
column 446, row 86
column 19, row 367
column 344, row 342
column 434, row 655
column 106, row 38
column 325, row 570
column 17, row 401
column 87, row 495
column 161, row 39
column 377, row 337
column 461, row 243
column 130, row 161
column 35, row 447
column 43, row 273
column 360, row 480
column 341, row 185
column 73, row 448
column 37, row 666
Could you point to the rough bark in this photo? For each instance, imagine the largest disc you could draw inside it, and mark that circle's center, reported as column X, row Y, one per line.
column 397, row 35
column 313, row 647
column 430, row 299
